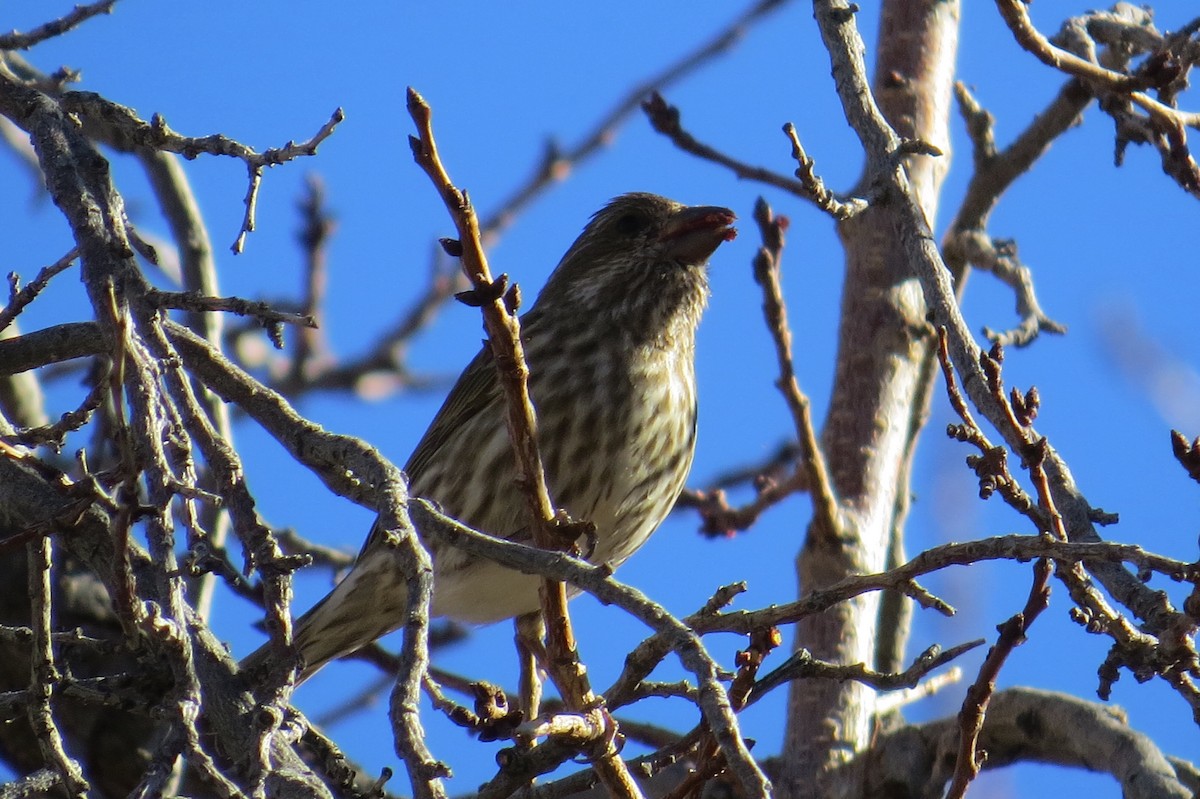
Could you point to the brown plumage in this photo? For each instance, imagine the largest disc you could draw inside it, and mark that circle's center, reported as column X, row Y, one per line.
column 610, row 345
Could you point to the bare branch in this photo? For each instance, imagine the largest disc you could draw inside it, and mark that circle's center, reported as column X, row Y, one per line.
column 1017, row 17
column 1164, row 125
column 767, row 275
column 597, row 581
column 73, row 19
column 1025, row 724
column 44, row 674
column 504, row 336
column 815, row 187
column 51, row 345
column 193, row 301
column 803, row 665
column 122, row 128
column 19, row 296
column 665, row 119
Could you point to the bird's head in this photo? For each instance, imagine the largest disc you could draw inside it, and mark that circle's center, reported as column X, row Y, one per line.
column 639, row 264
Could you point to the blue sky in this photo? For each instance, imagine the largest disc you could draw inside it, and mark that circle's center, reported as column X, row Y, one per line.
column 1110, row 248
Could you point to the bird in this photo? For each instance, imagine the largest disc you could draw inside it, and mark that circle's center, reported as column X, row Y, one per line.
column 610, row 346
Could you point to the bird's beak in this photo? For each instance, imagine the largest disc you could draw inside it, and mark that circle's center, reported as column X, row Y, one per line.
column 693, row 234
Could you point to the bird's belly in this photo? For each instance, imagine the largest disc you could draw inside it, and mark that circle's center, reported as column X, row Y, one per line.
column 485, row 592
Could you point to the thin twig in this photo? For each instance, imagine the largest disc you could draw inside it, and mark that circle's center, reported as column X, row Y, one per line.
column 122, row 125
column 974, row 708
column 802, row 665
column 814, row 187
column 21, row 297
column 894, row 701
column 55, row 434
column 44, row 674
column 665, row 119
column 191, row 301
column 767, row 274
column 556, row 164
column 73, row 19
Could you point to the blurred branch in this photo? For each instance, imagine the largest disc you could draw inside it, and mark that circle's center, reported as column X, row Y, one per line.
column 1162, row 376
column 311, row 352
column 995, row 171
column 556, row 164
column 719, row 518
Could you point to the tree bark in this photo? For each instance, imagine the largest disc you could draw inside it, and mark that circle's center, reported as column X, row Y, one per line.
column 879, row 400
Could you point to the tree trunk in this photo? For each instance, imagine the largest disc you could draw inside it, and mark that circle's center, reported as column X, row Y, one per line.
column 879, row 402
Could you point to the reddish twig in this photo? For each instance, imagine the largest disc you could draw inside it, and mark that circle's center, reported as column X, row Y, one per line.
column 498, row 303
column 1187, row 453
column 766, row 273
column 974, row 709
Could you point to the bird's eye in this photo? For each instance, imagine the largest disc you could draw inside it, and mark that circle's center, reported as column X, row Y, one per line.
column 632, row 224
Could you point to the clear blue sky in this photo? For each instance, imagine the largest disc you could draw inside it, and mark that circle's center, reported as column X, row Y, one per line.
column 1109, row 247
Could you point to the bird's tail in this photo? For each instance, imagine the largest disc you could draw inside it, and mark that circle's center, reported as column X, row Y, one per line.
column 368, row 603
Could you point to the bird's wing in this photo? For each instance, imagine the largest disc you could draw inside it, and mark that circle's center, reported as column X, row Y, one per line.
column 476, row 390
column 475, row 393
